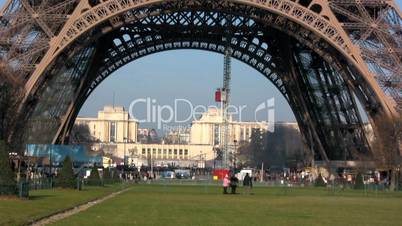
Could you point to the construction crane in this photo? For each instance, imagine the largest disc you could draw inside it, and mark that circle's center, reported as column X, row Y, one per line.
column 227, row 77
column 222, row 96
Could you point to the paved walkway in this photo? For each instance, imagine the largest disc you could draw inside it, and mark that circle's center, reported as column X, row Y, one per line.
column 69, row 212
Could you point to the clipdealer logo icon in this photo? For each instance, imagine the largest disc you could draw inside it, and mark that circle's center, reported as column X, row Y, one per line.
column 267, row 108
column 183, row 111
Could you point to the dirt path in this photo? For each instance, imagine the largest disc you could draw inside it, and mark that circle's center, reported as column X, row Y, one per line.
column 74, row 210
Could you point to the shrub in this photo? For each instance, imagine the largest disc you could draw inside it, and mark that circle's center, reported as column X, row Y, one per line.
column 359, row 183
column 66, row 178
column 319, row 182
column 94, row 179
column 7, row 176
column 110, row 176
column 107, row 177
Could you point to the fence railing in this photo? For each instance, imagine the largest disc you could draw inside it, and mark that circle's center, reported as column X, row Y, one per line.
column 41, row 183
column 20, row 189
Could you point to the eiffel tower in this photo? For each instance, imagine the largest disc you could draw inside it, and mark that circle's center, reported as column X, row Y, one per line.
column 326, row 57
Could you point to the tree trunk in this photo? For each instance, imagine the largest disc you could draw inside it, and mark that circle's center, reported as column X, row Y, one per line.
column 393, row 180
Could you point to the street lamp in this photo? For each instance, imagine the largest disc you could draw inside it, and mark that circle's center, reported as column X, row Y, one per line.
column 125, row 155
column 215, row 151
column 234, row 154
column 50, row 161
column 133, row 154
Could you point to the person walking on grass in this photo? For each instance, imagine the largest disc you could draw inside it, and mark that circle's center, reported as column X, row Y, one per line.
column 226, row 183
column 233, row 183
column 248, row 183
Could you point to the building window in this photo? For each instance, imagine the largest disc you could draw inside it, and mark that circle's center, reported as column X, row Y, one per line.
column 113, row 128
column 185, row 152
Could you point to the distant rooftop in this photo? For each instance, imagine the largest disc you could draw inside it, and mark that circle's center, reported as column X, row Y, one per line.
column 109, row 108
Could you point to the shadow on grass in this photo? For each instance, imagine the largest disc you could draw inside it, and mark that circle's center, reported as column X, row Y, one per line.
column 39, row 197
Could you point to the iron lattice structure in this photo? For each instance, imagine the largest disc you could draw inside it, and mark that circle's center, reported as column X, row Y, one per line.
column 323, row 56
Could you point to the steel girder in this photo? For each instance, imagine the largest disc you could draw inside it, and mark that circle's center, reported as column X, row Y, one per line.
column 376, row 27
column 38, row 23
column 26, row 29
column 51, row 104
column 332, row 107
column 311, row 21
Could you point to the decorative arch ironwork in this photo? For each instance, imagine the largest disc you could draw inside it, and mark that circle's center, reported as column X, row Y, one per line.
column 319, row 30
column 258, row 46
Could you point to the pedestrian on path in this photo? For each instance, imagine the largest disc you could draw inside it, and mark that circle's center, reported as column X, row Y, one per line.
column 233, row 183
column 226, row 183
column 248, row 183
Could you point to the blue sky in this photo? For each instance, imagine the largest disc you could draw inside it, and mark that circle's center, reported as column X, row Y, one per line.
column 189, row 74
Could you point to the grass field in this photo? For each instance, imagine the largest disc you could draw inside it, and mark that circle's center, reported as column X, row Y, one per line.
column 45, row 202
column 198, row 205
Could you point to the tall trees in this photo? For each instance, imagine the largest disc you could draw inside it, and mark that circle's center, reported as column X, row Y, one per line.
column 386, row 149
column 258, row 147
column 94, row 179
column 283, row 147
column 7, row 177
column 80, row 134
column 66, row 178
column 10, row 96
column 8, row 102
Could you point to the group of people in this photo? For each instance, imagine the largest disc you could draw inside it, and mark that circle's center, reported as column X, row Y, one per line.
column 230, row 180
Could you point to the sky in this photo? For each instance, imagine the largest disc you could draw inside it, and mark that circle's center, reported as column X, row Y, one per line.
column 189, row 74
column 184, row 74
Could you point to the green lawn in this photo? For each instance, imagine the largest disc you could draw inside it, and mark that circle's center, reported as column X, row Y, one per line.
column 45, row 202
column 198, row 205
